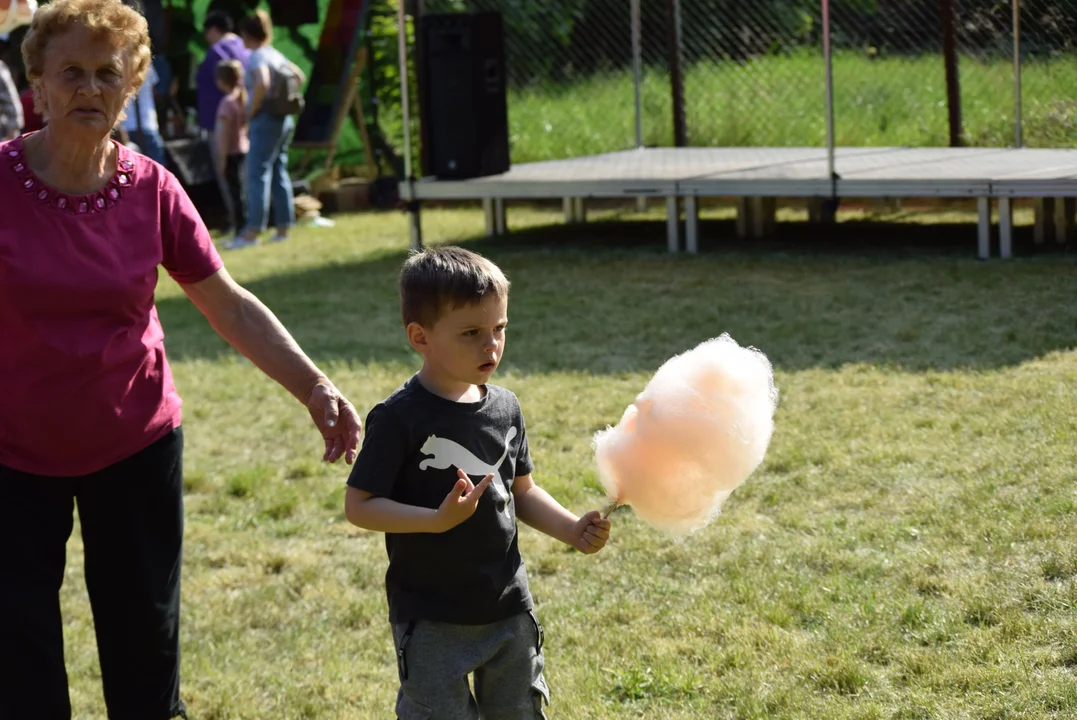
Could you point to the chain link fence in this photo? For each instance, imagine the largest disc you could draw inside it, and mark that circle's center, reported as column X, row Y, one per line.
column 890, row 72
column 753, row 73
column 569, row 70
column 1048, row 41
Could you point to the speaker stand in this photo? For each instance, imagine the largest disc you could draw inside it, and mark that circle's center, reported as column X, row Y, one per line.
column 415, row 225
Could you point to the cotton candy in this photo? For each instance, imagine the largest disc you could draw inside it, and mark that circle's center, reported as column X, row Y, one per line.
column 698, row 430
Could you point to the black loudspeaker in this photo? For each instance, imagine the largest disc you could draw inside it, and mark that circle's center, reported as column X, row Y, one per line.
column 463, row 108
column 292, row 13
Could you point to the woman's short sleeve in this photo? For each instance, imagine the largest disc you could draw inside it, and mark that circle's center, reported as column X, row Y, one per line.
column 255, row 61
column 189, row 254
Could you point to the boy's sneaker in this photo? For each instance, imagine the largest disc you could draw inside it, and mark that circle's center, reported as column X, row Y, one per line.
column 279, row 237
column 239, row 242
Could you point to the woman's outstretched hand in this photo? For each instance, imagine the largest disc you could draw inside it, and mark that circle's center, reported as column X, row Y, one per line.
column 336, row 420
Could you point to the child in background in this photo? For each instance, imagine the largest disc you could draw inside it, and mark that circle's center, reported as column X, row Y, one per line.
column 230, row 135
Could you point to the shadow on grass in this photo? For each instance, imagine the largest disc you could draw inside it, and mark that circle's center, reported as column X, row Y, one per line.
column 607, row 298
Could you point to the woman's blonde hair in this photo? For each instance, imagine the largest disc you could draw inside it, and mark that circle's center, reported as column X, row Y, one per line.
column 258, row 26
column 230, row 73
column 108, row 18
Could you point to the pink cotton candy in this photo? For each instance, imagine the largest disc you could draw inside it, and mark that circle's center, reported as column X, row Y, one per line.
column 697, row 431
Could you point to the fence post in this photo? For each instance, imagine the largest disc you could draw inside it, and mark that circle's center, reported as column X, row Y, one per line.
column 405, row 99
column 673, row 17
column 827, row 57
column 953, row 81
column 405, row 109
column 1018, row 140
column 637, row 82
column 637, row 70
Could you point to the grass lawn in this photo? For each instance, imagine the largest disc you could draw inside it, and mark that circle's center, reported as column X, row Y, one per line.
column 907, row 550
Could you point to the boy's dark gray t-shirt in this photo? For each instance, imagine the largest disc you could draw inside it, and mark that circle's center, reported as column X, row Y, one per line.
column 413, row 443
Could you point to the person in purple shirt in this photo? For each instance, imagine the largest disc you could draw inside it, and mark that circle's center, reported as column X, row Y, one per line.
column 223, row 45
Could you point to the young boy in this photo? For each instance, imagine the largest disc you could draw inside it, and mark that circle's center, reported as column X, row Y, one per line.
column 444, row 472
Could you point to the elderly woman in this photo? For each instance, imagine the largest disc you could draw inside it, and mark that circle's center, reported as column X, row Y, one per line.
column 89, row 415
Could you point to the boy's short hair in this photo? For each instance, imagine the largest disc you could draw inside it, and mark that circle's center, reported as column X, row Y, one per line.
column 441, row 278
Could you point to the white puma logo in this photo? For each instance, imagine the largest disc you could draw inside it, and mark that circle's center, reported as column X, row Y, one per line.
column 447, row 453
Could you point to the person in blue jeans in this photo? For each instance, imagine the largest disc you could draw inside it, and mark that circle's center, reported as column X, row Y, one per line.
column 270, row 137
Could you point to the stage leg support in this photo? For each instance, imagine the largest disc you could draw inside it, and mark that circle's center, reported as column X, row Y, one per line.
column 673, row 223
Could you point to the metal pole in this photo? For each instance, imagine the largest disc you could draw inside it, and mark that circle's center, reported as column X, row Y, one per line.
column 831, row 163
column 414, row 225
column 637, row 70
column 405, row 105
column 673, row 17
column 1017, row 71
column 637, row 82
column 682, row 117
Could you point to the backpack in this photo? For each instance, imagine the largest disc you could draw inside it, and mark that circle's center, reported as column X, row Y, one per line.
column 284, row 96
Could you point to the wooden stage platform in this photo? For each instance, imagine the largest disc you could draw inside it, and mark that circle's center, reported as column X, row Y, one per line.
column 756, row 176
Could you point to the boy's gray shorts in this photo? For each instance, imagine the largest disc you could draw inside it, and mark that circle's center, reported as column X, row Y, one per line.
column 504, row 658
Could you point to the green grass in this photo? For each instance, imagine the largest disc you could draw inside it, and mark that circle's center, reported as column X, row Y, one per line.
column 907, row 550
